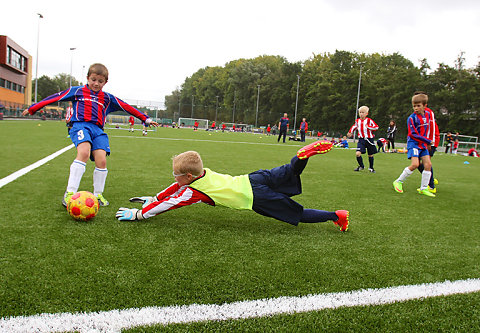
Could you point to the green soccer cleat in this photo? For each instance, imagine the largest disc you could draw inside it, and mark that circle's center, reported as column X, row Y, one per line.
column 102, row 201
column 432, row 190
column 426, row 192
column 435, row 181
column 398, row 186
column 66, row 198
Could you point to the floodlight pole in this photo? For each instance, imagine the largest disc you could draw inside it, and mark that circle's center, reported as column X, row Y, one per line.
column 40, row 16
column 216, row 109
column 358, row 97
column 191, row 116
column 296, row 105
column 234, row 101
column 71, row 65
column 258, row 98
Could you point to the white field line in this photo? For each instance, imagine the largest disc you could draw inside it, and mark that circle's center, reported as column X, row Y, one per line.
column 21, row 172
column 202, row 140
column 115, row 320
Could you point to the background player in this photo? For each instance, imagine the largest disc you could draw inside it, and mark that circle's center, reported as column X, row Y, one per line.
column 365, row 127
column 283, row 127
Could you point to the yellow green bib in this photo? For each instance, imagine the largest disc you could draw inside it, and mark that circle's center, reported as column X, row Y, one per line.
column 225, row 190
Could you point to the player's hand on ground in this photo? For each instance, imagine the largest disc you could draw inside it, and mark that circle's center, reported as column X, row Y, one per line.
column 129, row 214
column 25, row 112
column 145, row 201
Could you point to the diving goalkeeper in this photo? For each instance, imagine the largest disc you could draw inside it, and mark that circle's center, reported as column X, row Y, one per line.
column 267, row 192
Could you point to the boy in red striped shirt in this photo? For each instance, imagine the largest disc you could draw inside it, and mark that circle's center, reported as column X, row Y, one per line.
column 365, row 127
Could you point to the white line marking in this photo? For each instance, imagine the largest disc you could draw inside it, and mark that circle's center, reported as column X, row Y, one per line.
column 202, row 140
column 115, row 320
column 21, row 172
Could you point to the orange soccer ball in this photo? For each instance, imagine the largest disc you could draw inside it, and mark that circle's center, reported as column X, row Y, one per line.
column 83, row 206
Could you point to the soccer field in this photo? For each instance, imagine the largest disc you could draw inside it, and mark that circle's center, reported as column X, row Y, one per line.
column 52, row 264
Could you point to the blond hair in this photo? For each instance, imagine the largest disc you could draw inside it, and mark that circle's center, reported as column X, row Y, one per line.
column 363, row 108
column 98, row 69
column 188, row 162
column 420, row 98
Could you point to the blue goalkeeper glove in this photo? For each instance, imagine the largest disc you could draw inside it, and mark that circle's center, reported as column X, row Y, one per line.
column 129, row 214
column 145, row 201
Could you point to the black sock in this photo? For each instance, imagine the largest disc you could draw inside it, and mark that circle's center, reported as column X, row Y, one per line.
column 370, row 161
column 315, row 216
column 360, row 161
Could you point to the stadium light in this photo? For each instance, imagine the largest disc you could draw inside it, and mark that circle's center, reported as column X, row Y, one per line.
column 258, row 98
column 71, row 64
column 191, row 116
column 296, row 105
column 358, row 95
column 234, row 101
column 40, row 16
column 216, row 109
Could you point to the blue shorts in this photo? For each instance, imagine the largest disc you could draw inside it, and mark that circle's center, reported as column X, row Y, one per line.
column 366, row 145
column 417, row 152
column 273, row 188
column 88, row 132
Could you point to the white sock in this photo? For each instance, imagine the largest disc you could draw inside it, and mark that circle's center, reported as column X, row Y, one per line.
column 99, row 177
column 405, row 174
column 425, row 179
column 77, row 169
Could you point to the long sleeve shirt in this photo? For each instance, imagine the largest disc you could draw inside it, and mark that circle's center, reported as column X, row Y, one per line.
column 89, row 106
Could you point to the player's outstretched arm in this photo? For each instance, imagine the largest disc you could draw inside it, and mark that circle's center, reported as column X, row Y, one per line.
column 129, row 214
column 25, row 112
column 145, row 201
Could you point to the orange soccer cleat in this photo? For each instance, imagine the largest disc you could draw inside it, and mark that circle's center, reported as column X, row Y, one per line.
column 317, row 147
column 342, row 221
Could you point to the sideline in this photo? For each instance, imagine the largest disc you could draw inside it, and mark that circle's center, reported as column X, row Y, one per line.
column 116, row 320
column 10, row 178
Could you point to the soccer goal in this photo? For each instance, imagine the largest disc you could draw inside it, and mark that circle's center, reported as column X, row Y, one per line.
column 190, row 122
column 465, row 142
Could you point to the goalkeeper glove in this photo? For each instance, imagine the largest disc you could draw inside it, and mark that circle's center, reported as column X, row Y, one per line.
column 145, row 201
column 129, row 214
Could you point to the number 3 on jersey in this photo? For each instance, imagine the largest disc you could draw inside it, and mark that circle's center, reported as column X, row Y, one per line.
column 80, row 135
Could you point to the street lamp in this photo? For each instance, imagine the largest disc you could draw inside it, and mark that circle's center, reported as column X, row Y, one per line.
column 358, row 95
column 71, row 64
column 40, row 16
column 234, row 101
column 296, row 105
column 258, row 98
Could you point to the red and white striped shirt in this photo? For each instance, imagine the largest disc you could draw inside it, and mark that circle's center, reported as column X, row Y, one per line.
column 364, row 128
column 175, row 196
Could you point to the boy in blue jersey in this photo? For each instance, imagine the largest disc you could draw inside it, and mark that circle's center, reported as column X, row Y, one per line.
column 267, row 192
column 90, row 108
column 418, row 145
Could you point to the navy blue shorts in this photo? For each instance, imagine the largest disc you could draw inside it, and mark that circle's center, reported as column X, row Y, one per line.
column 366, row 145
column 273, row 188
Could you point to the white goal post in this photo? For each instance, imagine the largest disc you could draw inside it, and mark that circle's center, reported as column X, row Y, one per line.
column 190, row 122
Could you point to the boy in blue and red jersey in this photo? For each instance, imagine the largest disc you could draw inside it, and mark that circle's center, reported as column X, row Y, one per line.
column 90, row 108
column 418, row 145
column 267, row 192
column 434, row 136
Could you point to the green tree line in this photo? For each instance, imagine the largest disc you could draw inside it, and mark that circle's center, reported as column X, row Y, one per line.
column 327, row 91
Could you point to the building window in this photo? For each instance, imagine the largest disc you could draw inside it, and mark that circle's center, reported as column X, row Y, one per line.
column 2, row 83
column 15, row 59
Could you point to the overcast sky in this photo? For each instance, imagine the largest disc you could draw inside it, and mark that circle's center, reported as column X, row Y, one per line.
column 150, row 47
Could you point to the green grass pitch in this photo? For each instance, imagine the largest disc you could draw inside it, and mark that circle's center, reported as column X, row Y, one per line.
column 51, row 263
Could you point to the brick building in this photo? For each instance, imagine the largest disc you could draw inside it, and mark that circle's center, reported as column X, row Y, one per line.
column 15, row 75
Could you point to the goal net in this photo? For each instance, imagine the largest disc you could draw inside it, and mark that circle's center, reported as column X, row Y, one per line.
column 465, row 142
column 190, row 122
